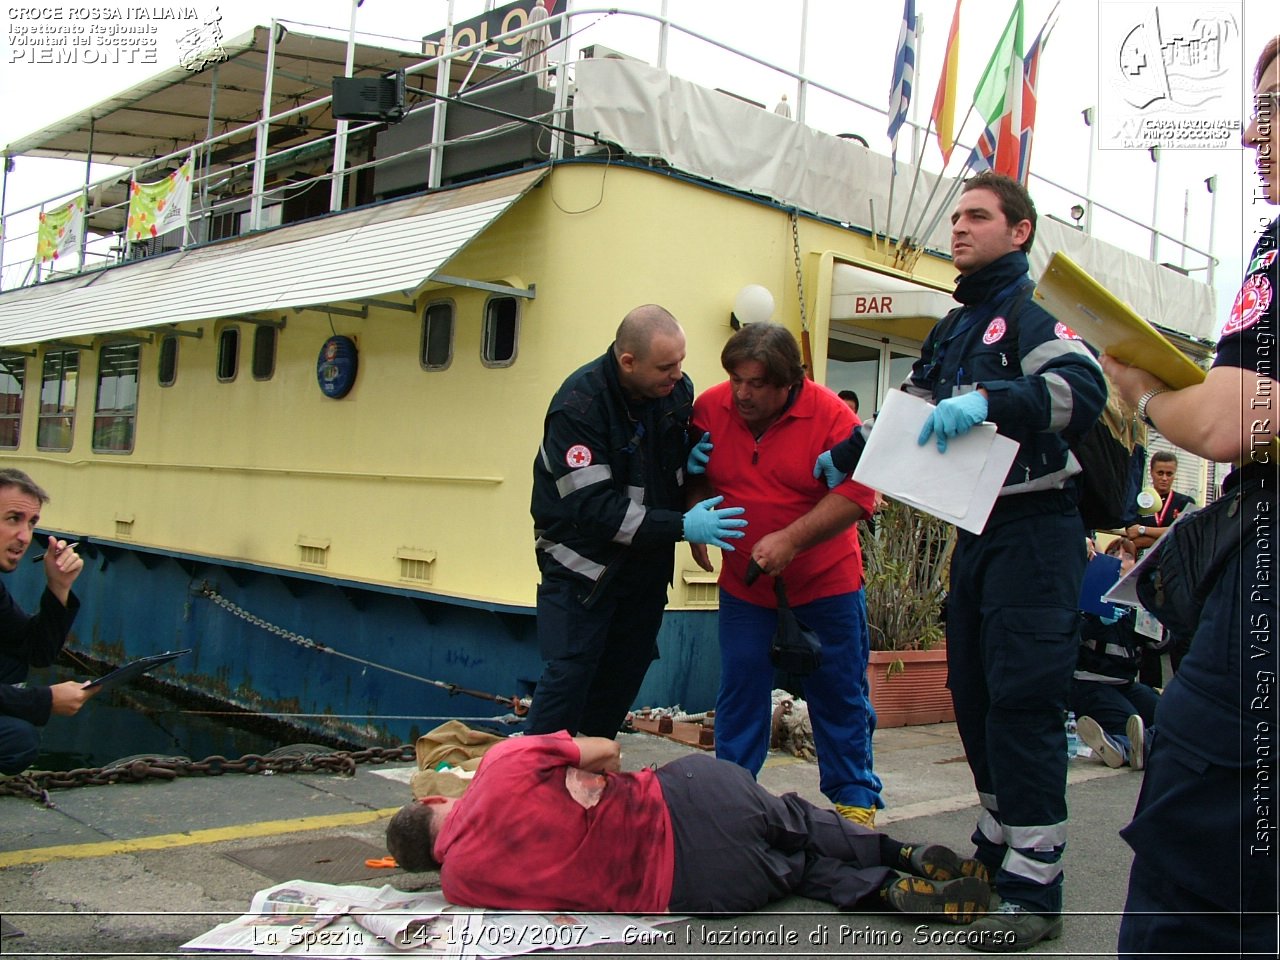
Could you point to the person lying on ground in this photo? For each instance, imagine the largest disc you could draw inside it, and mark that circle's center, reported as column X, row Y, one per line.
column 550, row 822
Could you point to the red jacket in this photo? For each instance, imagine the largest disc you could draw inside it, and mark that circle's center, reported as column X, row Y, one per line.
column 772, row 477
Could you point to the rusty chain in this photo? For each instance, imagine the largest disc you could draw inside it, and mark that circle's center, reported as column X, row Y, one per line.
column 36, row 784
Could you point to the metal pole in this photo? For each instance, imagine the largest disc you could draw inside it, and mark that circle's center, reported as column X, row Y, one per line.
column 663, row 34
column 264, row 127
column 562, row 80
column 1087, row 113
column 1186, row 209
column 915, row 99
column 340, row 141
column 4, row 196
column 444, row 67
column 802, row 87
column 1211, row 184
column 1155, row 203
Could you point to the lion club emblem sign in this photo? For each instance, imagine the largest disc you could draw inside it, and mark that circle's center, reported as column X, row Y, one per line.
column 577, row 456
column 1251, row 303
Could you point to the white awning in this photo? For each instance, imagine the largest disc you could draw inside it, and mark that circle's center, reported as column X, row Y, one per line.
column 860, row 294
column 388, row 248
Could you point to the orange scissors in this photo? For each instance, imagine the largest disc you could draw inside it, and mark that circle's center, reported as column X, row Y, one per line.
column 388, row 862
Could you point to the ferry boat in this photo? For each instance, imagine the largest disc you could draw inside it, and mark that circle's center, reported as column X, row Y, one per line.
column 296, row 433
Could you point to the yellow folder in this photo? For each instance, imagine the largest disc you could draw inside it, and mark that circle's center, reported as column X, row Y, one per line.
column 1109, row 325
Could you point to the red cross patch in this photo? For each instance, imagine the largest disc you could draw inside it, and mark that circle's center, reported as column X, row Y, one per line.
column 1251, row 303
column 1063, row 332
column 577, row 456
column 995, row 331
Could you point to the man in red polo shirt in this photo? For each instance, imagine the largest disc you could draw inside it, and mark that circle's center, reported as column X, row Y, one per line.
column 768, row 423
column 550, row 823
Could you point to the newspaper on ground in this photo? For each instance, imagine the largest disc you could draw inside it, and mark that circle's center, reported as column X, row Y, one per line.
column 302, row 918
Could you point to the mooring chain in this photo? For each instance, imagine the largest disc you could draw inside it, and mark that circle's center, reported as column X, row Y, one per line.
column 236, row 610
column 36, row 784
column 519, row 705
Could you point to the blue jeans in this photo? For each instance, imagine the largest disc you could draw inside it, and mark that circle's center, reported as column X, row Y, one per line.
column 837, row 693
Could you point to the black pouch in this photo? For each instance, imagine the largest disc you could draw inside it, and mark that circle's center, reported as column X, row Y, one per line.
column 1190, row 557
column 795, row 649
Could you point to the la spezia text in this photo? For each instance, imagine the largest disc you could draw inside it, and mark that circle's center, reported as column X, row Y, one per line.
column 694, row 935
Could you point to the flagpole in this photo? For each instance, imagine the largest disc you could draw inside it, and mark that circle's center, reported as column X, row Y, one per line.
column 942, row 175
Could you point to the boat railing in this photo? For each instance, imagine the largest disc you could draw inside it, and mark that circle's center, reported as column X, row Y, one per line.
column 220, row 209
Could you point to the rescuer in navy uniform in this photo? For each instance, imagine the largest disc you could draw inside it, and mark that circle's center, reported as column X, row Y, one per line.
column 1012, row 631
column 607, row 509
column 32, row 641
column 1204, row 838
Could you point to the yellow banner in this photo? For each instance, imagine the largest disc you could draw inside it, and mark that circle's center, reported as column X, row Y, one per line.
column 156, row 208
column 60, row 231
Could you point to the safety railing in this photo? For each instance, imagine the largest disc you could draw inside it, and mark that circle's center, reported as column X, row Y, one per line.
column 220, row 208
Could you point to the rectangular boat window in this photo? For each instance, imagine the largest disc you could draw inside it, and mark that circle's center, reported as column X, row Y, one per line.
column 264, row 352
column 437, row 335
column 116, row 408
column 501, row 331
column 167, row 373
column 58, row 399
column 228, row 354
column 13, row 380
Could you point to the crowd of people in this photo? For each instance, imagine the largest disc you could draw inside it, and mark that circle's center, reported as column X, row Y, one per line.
column 759, row 466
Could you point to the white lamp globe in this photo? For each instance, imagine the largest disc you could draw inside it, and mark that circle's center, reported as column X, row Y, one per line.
column 753, row 304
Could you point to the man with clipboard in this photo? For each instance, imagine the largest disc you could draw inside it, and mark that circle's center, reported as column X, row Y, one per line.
column 32, row 640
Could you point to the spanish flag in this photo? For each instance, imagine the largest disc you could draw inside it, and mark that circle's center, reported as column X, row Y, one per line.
column 944, row 101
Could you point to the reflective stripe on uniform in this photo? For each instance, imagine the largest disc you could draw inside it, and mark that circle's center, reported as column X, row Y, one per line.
column 635, row 494
column 1043, row 354
column 575, row 480
column 630, row 524
column 1061, row 401
column 1040, row 837
column 571, row 559
column 1036, row 871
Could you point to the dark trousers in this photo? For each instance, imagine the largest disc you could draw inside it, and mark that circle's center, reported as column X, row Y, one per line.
column 19, row 745
column 738, row 847
column 1012, row 642
column 1196, row 886
column 595, row 658
column 1112, row 704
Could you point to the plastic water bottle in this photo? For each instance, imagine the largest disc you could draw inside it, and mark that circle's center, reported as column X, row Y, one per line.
column 1073, row 740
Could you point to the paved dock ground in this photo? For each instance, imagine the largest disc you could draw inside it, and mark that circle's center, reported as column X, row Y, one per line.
column 139, row 869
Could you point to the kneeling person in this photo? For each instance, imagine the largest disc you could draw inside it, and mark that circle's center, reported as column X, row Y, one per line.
column 551, row 823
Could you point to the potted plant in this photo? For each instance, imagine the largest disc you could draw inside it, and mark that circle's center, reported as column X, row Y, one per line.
column 905, row 565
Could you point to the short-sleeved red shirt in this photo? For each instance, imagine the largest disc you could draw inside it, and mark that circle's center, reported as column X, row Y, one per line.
column 772, row 477
column 517, row 839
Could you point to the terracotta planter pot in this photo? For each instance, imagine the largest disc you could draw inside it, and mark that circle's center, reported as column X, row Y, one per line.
column 908, row 687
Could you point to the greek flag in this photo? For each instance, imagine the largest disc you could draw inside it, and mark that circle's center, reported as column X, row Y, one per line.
column 904, row 72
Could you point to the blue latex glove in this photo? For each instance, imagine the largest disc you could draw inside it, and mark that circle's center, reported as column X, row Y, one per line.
column 824, row 469
column 699, row 455
column 954, row 416
column 1116, row 614
column 705, row 524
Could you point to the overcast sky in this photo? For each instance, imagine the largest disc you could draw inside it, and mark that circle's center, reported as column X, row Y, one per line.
column 850, row 44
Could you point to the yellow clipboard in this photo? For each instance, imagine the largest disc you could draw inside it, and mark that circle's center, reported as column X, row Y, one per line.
column 1109, row 325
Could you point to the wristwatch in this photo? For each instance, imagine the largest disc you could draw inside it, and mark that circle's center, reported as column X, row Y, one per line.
column 1142, row 531
column 1147, row 398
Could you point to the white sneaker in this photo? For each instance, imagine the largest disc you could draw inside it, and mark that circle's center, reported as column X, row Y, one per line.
column 1136, row 732
column 1100, row 743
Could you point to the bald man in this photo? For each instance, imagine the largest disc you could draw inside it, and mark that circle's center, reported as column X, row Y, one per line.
column 607, row 510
